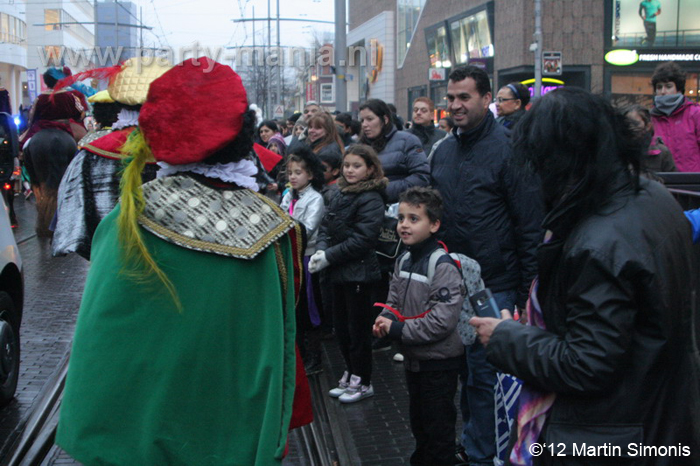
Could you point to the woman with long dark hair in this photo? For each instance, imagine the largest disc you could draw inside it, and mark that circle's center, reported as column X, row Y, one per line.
column 271, row 137
column 611, row 309
column 323, row 135
column 401, row 153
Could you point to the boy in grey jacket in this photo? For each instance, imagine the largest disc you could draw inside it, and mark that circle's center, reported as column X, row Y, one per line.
column 421, row 313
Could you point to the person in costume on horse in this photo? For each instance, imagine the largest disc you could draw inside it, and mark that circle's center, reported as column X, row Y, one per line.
column 89, row 189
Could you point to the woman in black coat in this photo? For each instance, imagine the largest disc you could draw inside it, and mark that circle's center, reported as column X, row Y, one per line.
column 610, row 359
column 401, row 153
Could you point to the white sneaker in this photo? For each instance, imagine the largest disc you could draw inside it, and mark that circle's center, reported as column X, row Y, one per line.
column 398, row 357
column 342, row 386
column 356, row 391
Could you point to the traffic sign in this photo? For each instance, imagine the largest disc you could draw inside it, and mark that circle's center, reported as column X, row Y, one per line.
column 279, row 111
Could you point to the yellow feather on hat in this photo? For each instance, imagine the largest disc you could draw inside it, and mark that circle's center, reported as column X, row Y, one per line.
column 101, row 97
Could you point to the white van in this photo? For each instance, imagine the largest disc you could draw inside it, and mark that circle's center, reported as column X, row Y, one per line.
column 11, row 278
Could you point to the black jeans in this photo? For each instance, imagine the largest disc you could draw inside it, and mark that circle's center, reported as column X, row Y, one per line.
column 650, row 29
column 433, row 416
column 353, row 317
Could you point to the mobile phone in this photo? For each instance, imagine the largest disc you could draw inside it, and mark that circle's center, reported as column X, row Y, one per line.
column 484, row 304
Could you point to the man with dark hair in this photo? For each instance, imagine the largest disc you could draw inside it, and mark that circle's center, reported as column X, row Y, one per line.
column 423, row 126
column 676, row 118
column 344, row 122
column 492, row 216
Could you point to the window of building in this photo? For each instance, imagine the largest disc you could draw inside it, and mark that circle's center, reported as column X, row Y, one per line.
column 4, row 28
column 438, row 47
column 413, row 94
column 635, row 88
column 676, row 26
column 12, row 30
column 327, row 95
column 408, row 13
column 52, row 19
column 77, row 30
column 471, row 37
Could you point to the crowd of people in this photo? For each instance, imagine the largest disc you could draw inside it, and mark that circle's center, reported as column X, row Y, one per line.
column 246, row 242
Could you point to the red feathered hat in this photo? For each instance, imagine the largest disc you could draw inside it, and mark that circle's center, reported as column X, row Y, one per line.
column 192, row 111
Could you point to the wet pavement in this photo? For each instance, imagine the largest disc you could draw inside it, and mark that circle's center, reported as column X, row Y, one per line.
column 52, row 291
column 374, row 431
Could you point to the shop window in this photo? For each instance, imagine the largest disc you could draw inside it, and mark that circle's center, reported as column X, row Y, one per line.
column 408, row 13
column 471, row 37
column 438, row 94
column 438, row 48
column 636, row 24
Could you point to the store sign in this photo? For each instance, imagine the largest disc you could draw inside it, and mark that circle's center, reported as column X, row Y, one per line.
column 31, row 84
column 548, row 85
column 310, row 94
column 551, row 63
column 437, row 74
column 669, row 57
column 622, row 57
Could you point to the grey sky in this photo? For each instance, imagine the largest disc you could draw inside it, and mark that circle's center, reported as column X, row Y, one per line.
column 208, row 22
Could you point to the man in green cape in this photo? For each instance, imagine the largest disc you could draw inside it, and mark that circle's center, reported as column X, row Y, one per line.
column 184, row 347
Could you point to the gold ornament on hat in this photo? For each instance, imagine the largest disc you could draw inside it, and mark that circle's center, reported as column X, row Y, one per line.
column 130, row 85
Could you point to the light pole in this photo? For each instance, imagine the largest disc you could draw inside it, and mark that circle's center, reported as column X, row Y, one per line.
column 340, row 57
column 538, row 48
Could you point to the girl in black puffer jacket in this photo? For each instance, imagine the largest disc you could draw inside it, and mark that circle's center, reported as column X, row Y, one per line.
column 348, row 235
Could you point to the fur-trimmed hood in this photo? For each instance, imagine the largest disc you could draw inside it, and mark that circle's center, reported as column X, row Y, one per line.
column 374, row 184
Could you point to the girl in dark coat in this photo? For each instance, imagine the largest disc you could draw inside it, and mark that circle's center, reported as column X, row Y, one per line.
column 347, row 238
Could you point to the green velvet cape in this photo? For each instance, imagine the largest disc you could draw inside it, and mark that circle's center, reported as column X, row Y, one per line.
column 212, row 385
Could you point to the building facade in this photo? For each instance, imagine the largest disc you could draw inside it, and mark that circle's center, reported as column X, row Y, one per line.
column 59, row 33
column 117, row 30
column 633, row 49
column 425, row 39
column 13, row 52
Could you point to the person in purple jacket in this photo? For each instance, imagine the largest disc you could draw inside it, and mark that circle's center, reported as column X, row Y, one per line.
column 676, row 118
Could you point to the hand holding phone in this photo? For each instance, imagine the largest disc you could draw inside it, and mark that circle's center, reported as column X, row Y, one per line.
column 484, row 304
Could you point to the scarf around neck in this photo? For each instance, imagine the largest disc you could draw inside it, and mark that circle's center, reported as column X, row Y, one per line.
column 667, row 104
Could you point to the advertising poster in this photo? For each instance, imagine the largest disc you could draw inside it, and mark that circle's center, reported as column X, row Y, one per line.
column 551, row 63
column 656, row 23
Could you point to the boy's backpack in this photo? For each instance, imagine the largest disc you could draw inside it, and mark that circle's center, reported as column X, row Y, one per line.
column 471, row 278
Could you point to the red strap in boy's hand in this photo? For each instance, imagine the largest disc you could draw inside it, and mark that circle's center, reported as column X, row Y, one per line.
column 398, row 315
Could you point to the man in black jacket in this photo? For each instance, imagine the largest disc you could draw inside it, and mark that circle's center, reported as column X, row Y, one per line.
column 492, row 216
